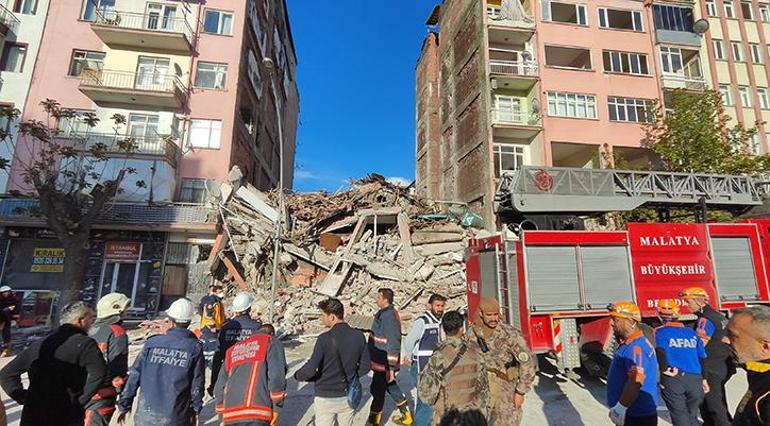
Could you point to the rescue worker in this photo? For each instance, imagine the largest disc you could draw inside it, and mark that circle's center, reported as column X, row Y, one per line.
column 210, row 308
column 719, row 365
column 632, row 385
column 681, row 354
column 511, row 367
column 251, row 386
column 170, row 370
column 111, row 337
column 385, row 353
column 240, row 327
column 210, row 341
column 419, row 344
column 455, row 376
column 748, row 333
column 65, row 370
column 10, row 310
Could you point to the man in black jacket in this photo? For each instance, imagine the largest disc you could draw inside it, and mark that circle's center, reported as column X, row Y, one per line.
column 339, row 355
column 65, row 370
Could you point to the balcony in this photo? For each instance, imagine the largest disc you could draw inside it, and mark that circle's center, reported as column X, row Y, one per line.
column 504, row 27
column 8, row 22
column 681, row 81
column 512, row 123
column 123, row 87
column 516, row 75
column 144, row 31
column 150, row 147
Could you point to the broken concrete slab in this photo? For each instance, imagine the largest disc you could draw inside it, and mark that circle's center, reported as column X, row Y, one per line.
column 434, row 249
column 422, row 237
column 255, row 201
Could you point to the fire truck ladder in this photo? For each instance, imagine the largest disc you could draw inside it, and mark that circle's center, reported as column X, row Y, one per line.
column 556, row 190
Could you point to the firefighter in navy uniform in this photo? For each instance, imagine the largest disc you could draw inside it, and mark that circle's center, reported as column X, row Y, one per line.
column 385, row 353
column 419, row 344
column 719, row 365
column 111, row 337
column 748, row 334
column 240, row 327
column 681, row 355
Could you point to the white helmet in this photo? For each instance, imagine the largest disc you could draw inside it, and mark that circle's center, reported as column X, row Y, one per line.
column 111, row 304
column 242, row 302
column 182, row 310
column 5, row 288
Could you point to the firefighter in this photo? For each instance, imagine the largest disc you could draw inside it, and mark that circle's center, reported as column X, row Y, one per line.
column 719, row 365
column 210, row 308
column 455, row 376
column 385, row 353
column 680, row 360
column 111, row 337
column 170, row 370
column 748, row 333
column 419, row 344
column 511, row 367
column 10, row 310
column 240, row 327
column 632, row 388
column 251, row 386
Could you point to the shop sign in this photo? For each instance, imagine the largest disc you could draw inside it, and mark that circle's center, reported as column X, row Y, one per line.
column 48, row 260
column 122, row 251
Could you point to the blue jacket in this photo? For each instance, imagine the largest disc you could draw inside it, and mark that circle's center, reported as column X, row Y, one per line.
column 170, row 370
column 635, row 360
column 239, row 328
column 679, row 347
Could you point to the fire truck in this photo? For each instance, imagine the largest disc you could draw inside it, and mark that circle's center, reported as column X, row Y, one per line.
column 554, row 280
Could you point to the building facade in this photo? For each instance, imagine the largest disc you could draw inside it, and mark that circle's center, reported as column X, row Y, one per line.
column 198, row 97
column 560, row 83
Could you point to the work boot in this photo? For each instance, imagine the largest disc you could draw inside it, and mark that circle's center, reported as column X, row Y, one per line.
column 406, row 416
column 374, row 418
column 6, row 351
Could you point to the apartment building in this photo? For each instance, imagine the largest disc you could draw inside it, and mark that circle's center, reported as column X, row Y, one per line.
column 198, row 98
column 566, row 83
column 21, row 29
column 739, row 57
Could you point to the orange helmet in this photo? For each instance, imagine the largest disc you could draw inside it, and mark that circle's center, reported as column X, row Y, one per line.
column 668, row 308
column 625, row 309
column 692, row 292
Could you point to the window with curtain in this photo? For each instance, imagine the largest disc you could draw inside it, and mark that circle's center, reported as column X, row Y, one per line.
column 25, row 7
column 193, row 191
column 205, row 133
column 211, row 76
column 672, row 18
column 85, row 60
column 218, row 22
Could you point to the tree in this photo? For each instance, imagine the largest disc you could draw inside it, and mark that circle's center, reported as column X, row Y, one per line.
column 68, row 176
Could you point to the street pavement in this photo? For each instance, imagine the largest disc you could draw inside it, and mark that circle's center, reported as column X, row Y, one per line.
column 554, row 400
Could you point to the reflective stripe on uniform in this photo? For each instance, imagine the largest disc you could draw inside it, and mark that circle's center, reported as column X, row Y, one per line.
column 380, row 340
column 377, row 367
column 261, row 413
column 277, row 396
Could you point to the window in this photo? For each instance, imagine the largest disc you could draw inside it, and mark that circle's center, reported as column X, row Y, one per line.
column 13, row 57
column 143, row 126
column 161, row 17
column 508, row 110
column 75, row 125
column 254, row 75
column 564, row 12
column 719, row 50
column 727, row 97
column 92, row 6
column 205, row 133
column 737, row 51
column 729, row 12
column 620, row 19
column 628, row 109
column 764, row 102
column 218, row 22
column 711, row 8
column 764, row 12
column 672, row 18
column 507, row 158
column 568, row 57
column 85, row 60
column 575, row 105
column 756, row 146
column 25, row 7
column 628, row 63
column 211, row 76
column 193, row 191
column 743, row 91
column 756, row 54
column 747, row 11
column 671, row 59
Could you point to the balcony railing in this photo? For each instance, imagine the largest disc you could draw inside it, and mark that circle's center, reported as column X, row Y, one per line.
column 8, row 22
column 523, row 68
column 515, row 117
column 522, row 21
column 149, row 81
column 681, row 81
column 143, row 21
column 155, row 145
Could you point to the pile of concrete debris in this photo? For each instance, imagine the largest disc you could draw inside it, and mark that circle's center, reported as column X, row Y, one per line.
column 346, row 244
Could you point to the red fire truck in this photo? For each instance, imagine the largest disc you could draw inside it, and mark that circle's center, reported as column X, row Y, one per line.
column 555, row 285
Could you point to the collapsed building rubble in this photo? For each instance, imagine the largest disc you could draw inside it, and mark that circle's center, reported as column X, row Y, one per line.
column 345, row 244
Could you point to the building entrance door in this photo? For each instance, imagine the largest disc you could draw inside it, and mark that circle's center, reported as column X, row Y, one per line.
column 120, row 278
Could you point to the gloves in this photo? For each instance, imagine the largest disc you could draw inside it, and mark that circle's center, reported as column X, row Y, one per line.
column 618, row 414
column 274, row 421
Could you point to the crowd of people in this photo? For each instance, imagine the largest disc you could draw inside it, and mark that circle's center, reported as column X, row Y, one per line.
column 468, row 370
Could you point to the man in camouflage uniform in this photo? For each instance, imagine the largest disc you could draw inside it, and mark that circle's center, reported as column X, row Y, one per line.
column 510, row 365
column 455, row 376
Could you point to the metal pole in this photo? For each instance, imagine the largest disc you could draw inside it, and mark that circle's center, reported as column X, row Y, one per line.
column 270, row 65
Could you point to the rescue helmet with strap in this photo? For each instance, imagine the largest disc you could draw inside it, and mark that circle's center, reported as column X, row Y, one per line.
column 668, row 308
column 694, row 293
column 625, row 309
column 112, row 304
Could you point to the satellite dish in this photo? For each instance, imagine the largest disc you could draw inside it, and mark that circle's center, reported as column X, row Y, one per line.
column 536, row 106
column 526, row 55
column 700, row 26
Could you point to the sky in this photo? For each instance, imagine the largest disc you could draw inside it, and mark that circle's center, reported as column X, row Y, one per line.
column 356, row 63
